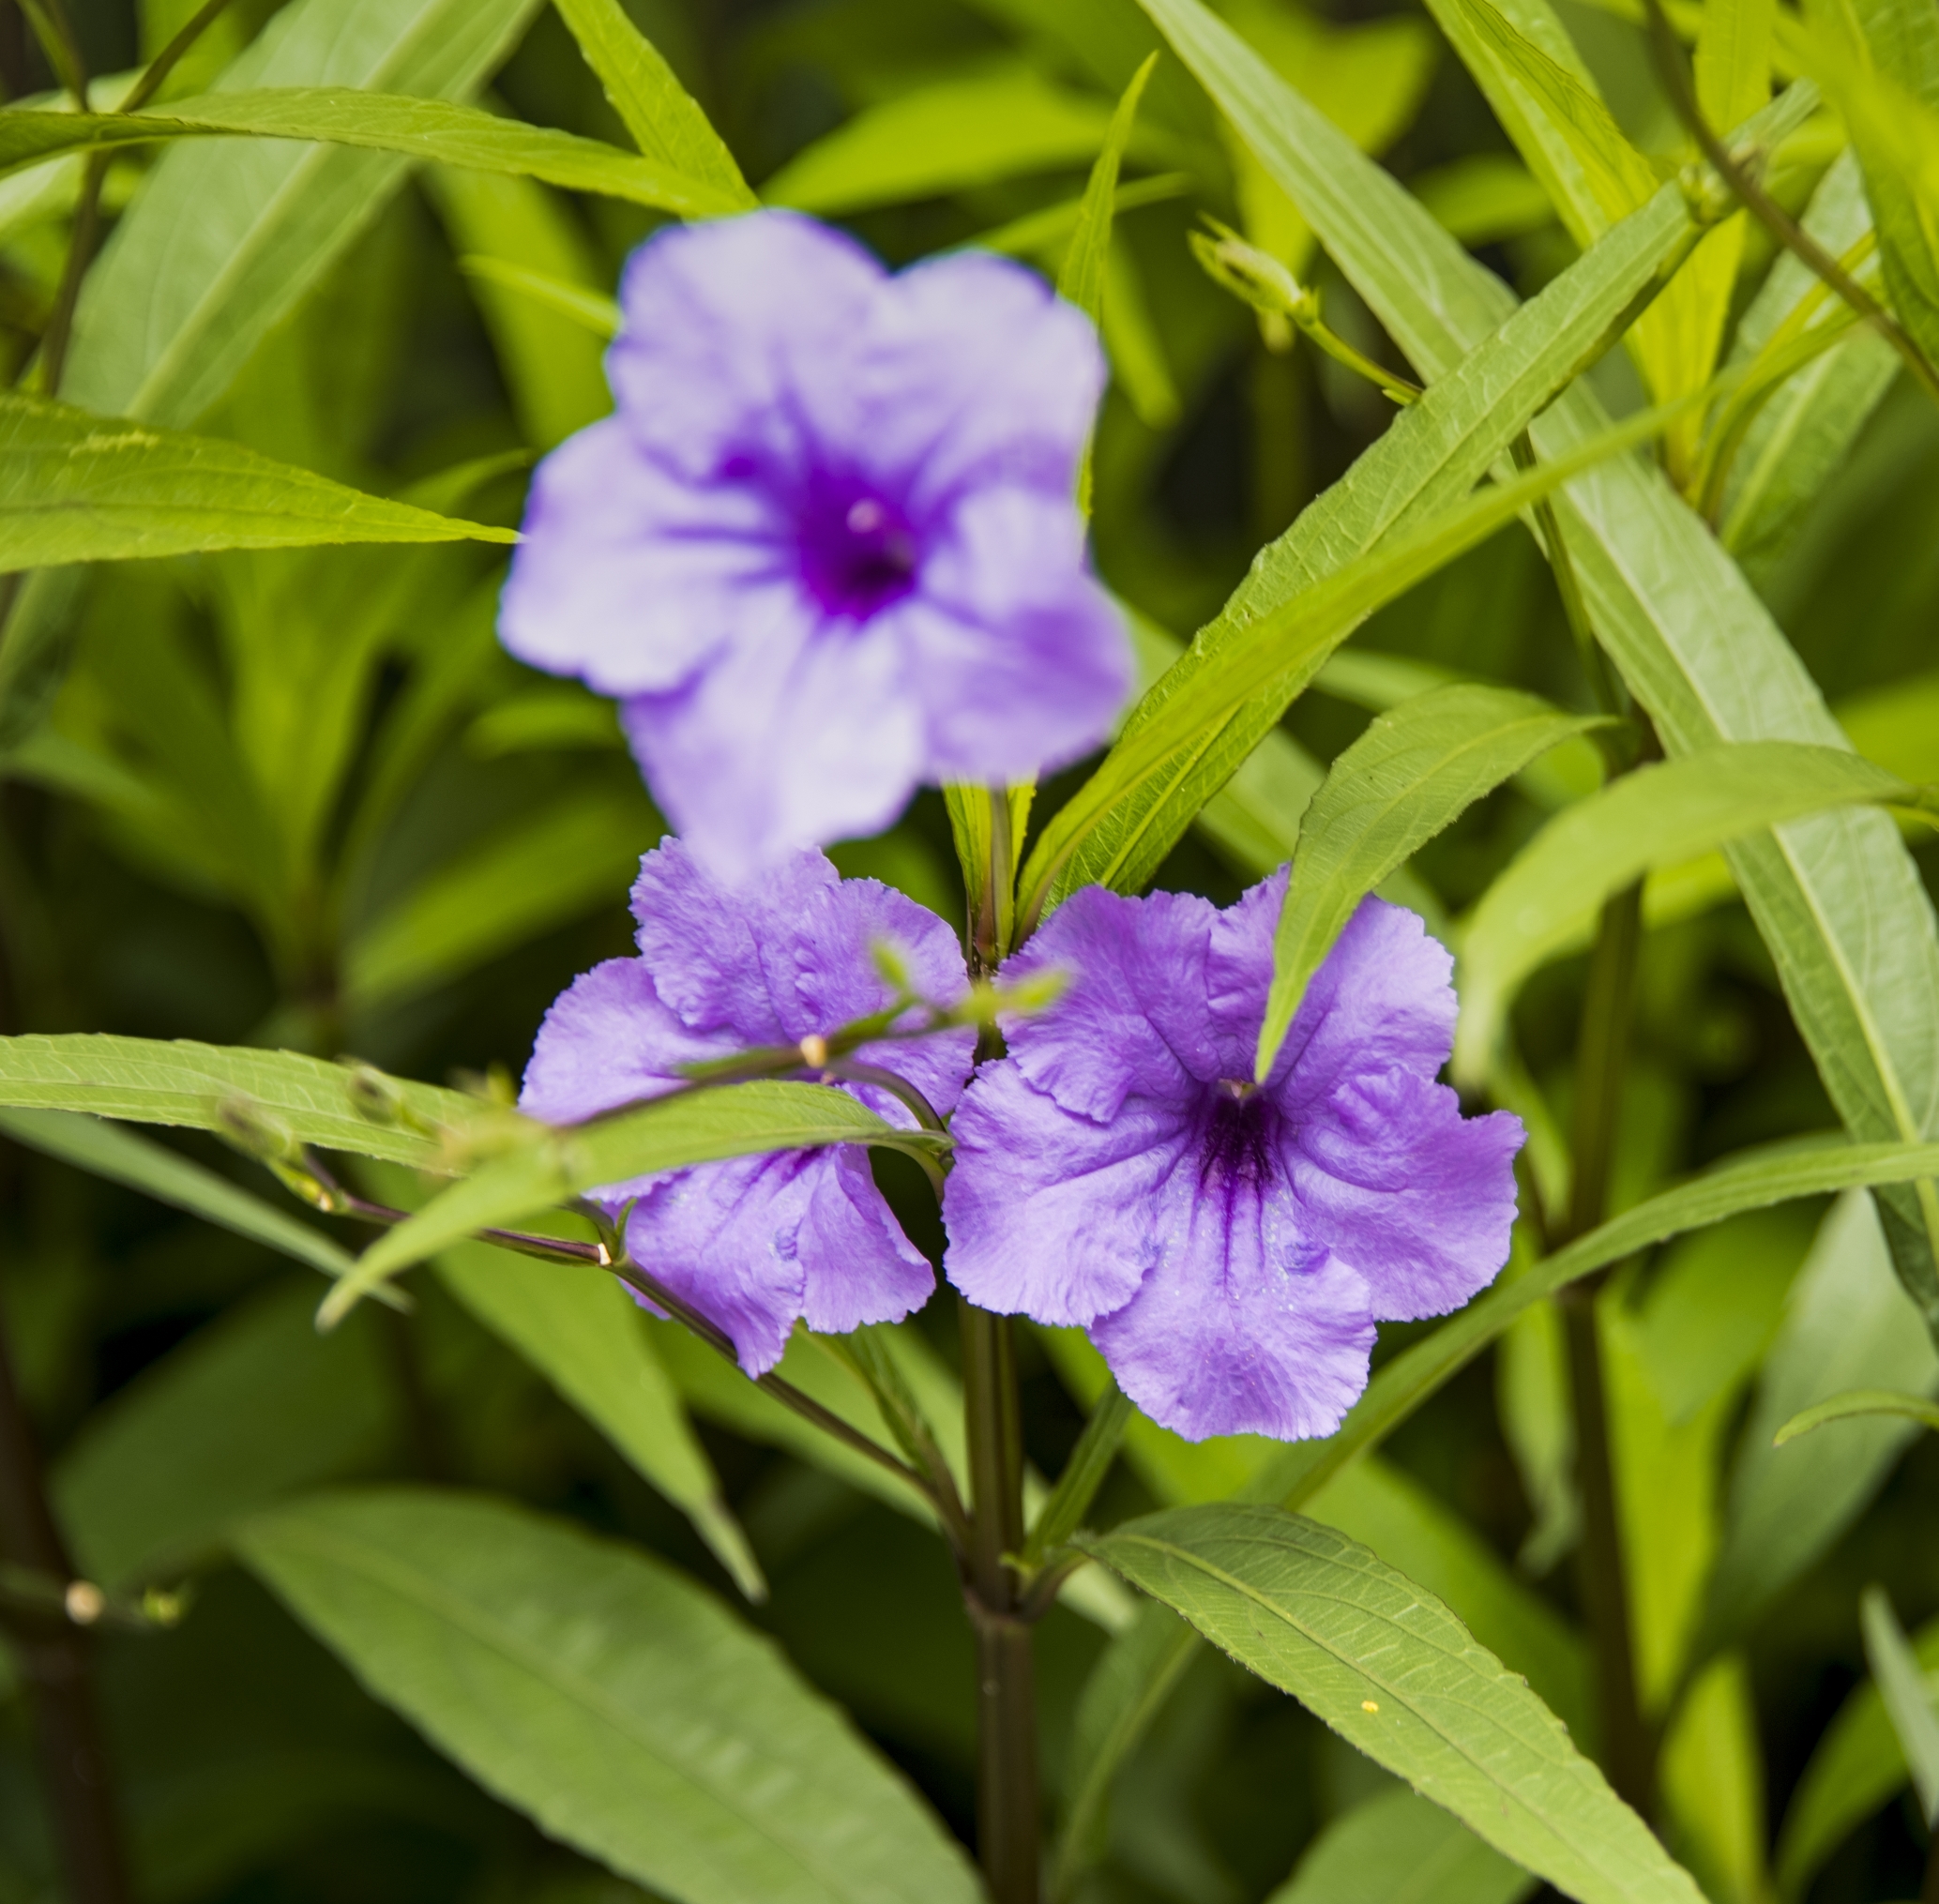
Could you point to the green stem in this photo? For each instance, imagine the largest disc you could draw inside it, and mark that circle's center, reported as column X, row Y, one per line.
column 1765, row 209
column 1007, row 1822
column 1628, row 1751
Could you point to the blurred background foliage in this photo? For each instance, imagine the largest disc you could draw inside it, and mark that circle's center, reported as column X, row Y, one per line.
column 303, row 798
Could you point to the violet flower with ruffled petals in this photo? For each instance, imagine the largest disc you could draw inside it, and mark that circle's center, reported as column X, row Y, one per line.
column 757, row 1242
column 826, row 549
column 1228, row 1248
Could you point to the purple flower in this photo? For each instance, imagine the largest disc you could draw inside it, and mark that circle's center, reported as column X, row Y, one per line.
column 757, row 1242
column 827, row 549
column 1228, row 1247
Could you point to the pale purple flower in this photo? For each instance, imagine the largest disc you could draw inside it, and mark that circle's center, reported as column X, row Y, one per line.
column 756, row 1241
column 1228, row 1248
column 827, row 548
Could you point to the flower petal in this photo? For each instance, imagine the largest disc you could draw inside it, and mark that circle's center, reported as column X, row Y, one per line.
column 786, row 741
column 1021, row 658
column 632, row 580
column 608, row 1039
column 1242, row 1332
column 1380, row 1002
column 1049, row 1214
column 857, row 1266
column 727, row 323
column 1420, row 1200
column 1133, row 1020
column 970, row 370
column 727, row 958
column 755, row 1243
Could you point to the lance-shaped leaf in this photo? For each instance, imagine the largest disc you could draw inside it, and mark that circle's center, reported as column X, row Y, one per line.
column 550, row 1165
column 1410, row 775
column 1219, row 694
column 1836, row 898
column 1661, row 815
column 414, row 128
column 606, row 1696
column 1907, row 1696
column 1118, row 828
column 1802, row 432
column 1390, row 1670
column 656, row 110
column 75, row 488
column 1854, row 1768
column 237, row 1091
column 225, row 238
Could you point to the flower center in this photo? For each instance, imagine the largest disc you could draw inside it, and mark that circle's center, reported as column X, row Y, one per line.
column 858, row 554
column 1237, row 1145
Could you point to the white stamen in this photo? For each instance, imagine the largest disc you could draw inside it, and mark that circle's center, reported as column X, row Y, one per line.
column 866, row 516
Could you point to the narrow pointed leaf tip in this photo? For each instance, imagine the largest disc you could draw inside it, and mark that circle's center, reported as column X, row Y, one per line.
column 1411, row 773
column 80, row 488
column 1397, row 1676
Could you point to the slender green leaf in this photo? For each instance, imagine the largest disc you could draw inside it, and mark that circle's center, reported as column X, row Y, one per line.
column 1609, row 178
column 250, row 1409
column 1803, row 432
column 656, row 109
column 1344, row 552
column 225, row 238
column 378, row 122
column 1856, row 1402
column 1398, row 1849
column 581, row 1331
column 149, row 1081
column 1856, row 1767
column 1848, row 1324
column 1410, row 775
column 1220, row 694
column 122, row 1157
column 1080, row 278
column 1397, row 1676
column 1658, row 816
column 944, row 138
column 1836, row 898
column 1908, row 1698
column 601, row 1692
column 75, row 488
column 550, row 1166
column 591, row 310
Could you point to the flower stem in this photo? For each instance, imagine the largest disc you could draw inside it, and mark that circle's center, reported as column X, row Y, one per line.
column 1629, row 1750
column 56, row 1663
column 1008, row 1823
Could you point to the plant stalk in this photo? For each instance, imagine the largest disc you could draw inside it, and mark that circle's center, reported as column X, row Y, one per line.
column 55, row 1662
column 1629, row 1750
column 1007, row 1822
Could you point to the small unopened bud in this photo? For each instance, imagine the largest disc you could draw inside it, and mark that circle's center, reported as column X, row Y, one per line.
column 815, row 1051
column 378, row 1099
column 160, row 1609
column 1256, row 277
column 84, row 1601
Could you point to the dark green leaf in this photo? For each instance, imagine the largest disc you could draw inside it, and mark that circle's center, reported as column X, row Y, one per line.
column 601, row 1692
column 76, row 487
column 1410, row 775
column 1397, row 1676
